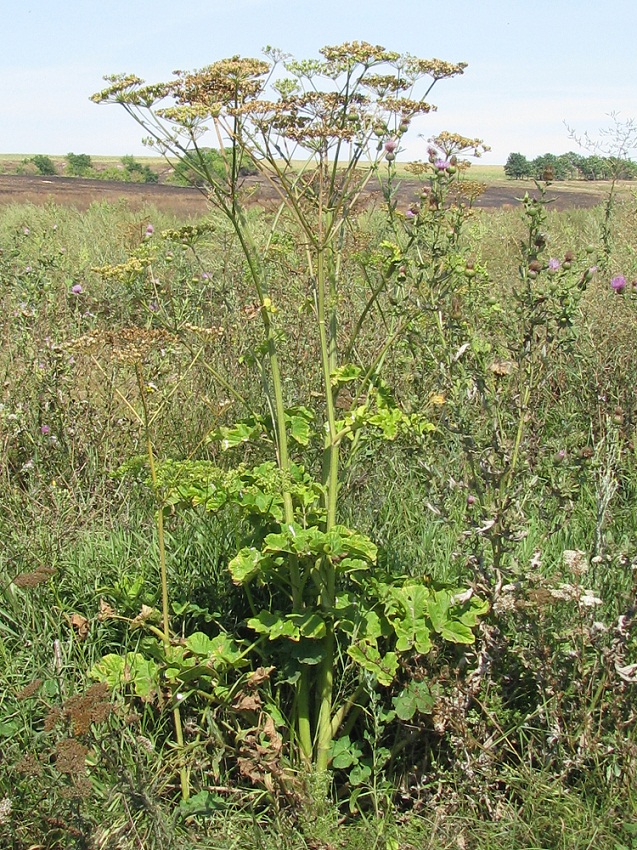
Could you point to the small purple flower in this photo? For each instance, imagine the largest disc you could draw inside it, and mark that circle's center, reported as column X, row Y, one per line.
column 153, row 306
column 205, row 276
column 391, row 145
column 76, row 289
column 26, row 231
column 45, row 430
column 618, row 283
column 442, row 164
column 410, row 215
column 28, row 270
column 149, row 231
column 554, row 264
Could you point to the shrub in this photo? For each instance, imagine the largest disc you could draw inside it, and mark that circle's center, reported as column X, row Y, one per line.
column 203, row 165
column 78, row 164
column 517, row 166
column 138, row 173
column 43, row 164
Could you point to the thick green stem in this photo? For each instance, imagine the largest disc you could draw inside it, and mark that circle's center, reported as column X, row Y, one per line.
column 329, row 363
column 324, row 733
column 184, row 774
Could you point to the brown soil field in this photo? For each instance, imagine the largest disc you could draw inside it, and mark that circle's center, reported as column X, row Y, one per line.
column 186, row 202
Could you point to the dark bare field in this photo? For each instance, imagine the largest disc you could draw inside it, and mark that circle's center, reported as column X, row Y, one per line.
column 81, row 193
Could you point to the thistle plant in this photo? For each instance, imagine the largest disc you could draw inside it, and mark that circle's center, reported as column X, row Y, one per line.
column 323, row 613
column 491, row 368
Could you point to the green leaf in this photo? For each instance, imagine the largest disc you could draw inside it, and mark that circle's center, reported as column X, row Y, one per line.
column 133, row 669
column 191, row 674
column 246, row 564
column 307, row 652
column 220, row 649
column 357, row 545
column 310, row 625
column 388, row 420
column 369, row 658
column 416, row 698
column 344, row 753
column 274, row 626
column 477, row 607
column 360, row 773
column 407, row 610
column 187, row 607
column 372, row 627
column 289, row 541
column 456, row 632
column 241, row 432
column 291, row 626
column 345, row 374
column 202, row 803
column 298, row 420
column 439, row 609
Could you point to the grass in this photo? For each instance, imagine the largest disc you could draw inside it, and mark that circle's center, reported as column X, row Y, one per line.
column 539, row 755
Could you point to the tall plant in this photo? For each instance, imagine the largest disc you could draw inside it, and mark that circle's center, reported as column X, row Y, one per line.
column 336, row 624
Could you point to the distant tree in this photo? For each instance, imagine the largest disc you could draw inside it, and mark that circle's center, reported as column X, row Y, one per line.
column 550, row 167
column 44, row 164
column 568, row 165
column 78, row 164
column 594, row 167
column 517, row 166
column 199, row 167
column 137, row 172
column 622, row 169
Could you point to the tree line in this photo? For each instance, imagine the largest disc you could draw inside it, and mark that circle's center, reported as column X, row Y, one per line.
column 570, row 166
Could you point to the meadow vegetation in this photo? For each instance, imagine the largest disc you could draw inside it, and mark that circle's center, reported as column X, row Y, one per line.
column 318, row 520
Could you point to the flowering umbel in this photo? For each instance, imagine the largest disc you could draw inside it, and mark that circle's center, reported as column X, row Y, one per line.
column 355, row 89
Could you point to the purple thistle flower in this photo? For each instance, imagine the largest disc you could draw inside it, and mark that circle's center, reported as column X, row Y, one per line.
column 442, row 164
column 391, row 145
column 410, row 214
column 26, row 231
column 554, row 264
column 45, row 430
column 618, row 283
column 150, row 230
column 76, row 289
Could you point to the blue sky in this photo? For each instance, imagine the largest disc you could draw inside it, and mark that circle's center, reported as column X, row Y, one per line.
column 533, row 64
